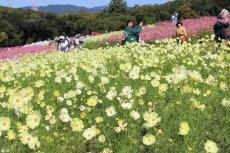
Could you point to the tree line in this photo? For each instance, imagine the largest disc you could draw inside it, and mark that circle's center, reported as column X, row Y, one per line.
column 18, row 27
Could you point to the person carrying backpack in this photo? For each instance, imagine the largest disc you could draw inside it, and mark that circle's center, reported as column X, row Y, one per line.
column 77, row 41
column 64, row 44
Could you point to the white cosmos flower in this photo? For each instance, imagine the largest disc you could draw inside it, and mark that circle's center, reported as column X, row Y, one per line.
column 135, row 115
column 110, row 111
column 82, row 108
column 127, row 105
column 127, row 92
column 104, row 80
column 33, row 120
column 68, row 79
column 155, row 83
column 111, row 94
column 226, row 102
column 89, row 133
column 64, row 116
column 211, row 147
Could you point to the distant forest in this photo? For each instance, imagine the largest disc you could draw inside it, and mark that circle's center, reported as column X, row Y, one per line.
column 18, row 27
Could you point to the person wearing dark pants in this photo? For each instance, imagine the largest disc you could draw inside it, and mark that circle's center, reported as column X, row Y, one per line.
column 220, row 29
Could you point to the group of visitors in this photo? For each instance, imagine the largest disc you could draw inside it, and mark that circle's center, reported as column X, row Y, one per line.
column 132, row 31
column 64, row 43
column 220, row 27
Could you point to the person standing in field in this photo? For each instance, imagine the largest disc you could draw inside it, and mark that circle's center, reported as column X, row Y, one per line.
column 77, row 41
column 64, row 44
column 132, row 32
column 181, row 32
column 174, row 17
column 138, row 34
column 220, row 29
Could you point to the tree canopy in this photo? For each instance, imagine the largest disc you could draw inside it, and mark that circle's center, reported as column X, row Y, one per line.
column 118, row 6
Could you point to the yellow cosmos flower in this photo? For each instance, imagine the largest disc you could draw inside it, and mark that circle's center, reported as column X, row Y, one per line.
column 17, row 101
column 77, row 124
column 5, row 123
column 90, row 133
column 33, row 120
column 184, row 128
column 92, row 101
column 149, row 139
column 11, row 135
column 56, row 93
column 211, row 147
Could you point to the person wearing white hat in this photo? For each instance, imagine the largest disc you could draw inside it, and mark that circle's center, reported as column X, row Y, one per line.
column 226, row 17
column 77, row 41
column 63, row 44
column 220, row 29
column 225, row 14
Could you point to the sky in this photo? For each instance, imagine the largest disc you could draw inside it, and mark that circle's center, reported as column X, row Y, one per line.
column 86, row 3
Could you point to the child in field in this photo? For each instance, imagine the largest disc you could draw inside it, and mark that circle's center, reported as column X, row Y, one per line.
column 181, row 32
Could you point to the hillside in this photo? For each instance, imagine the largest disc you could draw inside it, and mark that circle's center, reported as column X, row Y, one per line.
column 61, row 9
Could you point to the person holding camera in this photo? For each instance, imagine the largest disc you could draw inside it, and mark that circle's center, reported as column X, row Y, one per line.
column 132, row 32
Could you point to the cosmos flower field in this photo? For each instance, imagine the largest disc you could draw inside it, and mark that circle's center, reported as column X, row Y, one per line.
column 160, row 30
column 137, row 98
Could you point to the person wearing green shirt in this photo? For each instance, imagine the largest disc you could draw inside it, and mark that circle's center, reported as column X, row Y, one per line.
column 132, row 32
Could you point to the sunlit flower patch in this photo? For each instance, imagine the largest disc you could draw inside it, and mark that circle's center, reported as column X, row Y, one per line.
column 161, row 98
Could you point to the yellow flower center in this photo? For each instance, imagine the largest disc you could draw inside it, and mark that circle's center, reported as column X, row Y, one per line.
column 36, row 119
column 17, row 101
column 28, row 139
column 4, row 123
